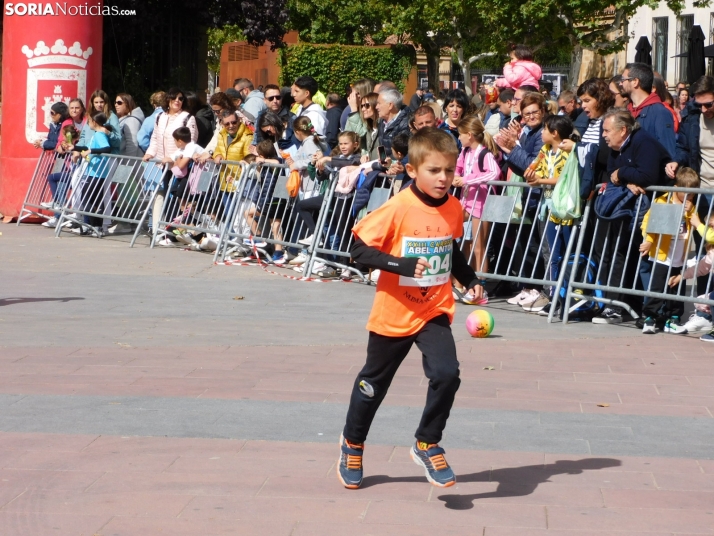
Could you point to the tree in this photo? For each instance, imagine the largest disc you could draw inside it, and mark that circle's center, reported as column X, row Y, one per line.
column 345, row 22
column 217, row 37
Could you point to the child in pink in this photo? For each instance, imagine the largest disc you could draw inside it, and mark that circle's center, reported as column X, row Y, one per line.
column 477, row 164
column 521, row 70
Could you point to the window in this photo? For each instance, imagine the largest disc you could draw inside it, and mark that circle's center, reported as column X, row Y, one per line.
column 684, row 26
column 660, row 28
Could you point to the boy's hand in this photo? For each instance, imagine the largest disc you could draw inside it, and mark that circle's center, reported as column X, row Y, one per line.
column 645, row 248
column 421, row 267
column 674, row 280
column 694, row 220
column 688, row 205
column 671, row 169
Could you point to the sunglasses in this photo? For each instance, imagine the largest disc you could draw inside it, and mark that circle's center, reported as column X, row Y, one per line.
column 119, row 103
column 179, row 98
column 274, row 97
column 229, row 123
column 707, row 105
column 366, row 105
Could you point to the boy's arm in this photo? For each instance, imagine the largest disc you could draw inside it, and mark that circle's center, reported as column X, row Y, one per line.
column 462, row 271
column 371, row 257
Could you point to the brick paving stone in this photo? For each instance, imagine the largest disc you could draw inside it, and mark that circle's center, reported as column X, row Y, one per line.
column 122, row 526
column 365, row 529
column 76, row 524
column 660, row 499
column 631, row 519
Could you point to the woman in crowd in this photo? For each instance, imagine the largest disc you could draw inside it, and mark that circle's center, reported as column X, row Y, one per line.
column 355, row 122
column 130, row 119
column 273, row 128
column 621, row 99
column 456, row 105
column 370, row 141
column 59, row 113
column 682, row 100
column 163, row 144
column 522, row 146
column 220, row 103
column 203, row 115
column 99, row 102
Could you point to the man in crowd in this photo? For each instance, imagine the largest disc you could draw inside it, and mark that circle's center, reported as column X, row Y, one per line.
column 392, row 118
column 334, row 112
column 568, row 105
column 646, row 107
column 424, row 117
column 417, row 99
column 303, row 90
column 253, row 100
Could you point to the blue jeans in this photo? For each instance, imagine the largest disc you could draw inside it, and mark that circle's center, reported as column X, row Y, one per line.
column 557, row 236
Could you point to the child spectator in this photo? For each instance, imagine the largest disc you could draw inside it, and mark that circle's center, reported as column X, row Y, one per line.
column 262, row 203
column 59, row 181
column 59, row 113
column 93, row 190
column 478, row 163
column 550, row 163
column 668, row 258
column 186, row 150
column 347, row 153
column 521, row 70
column 701, row 319
column 411, row 240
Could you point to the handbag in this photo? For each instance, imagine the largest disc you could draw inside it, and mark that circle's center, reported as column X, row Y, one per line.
column 566, row 194
column 293, row 184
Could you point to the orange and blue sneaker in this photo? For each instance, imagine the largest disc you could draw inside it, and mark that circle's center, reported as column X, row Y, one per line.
column 349, row 466
column 431, row 458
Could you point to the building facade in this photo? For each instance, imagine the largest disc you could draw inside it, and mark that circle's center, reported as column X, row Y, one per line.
column 668, row 34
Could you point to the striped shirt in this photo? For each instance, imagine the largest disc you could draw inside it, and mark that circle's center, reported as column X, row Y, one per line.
column 592, row 134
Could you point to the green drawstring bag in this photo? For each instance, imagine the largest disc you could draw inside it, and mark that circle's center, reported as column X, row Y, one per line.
column 566, row 194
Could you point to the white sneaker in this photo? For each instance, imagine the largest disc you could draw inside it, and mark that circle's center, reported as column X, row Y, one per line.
column 165, row 242
column 516, row 300
column 51, row 223
column 374, row 276
column 540, row 302
column 694, row 324
column 49, row 205
column 185, row 238
column 307, row 241
column 121, row 227
column 300, row 259
column 529, row 300
column 209, row 243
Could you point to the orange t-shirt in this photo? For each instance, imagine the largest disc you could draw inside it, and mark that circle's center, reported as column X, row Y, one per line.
column 405, row 227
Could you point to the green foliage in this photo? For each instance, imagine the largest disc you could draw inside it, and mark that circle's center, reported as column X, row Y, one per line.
column 217, row 37
column 335, row 67
column 343, row 22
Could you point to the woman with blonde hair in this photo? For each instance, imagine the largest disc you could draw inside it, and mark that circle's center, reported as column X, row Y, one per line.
column 360, row 89
column 369, row 142
column 478, row 164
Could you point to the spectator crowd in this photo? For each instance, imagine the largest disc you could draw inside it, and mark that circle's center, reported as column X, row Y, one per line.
column 623, row 135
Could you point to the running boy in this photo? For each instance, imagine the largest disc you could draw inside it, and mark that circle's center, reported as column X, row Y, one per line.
column 411, row 240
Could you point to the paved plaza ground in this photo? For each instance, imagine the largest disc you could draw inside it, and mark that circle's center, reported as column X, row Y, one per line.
column 149, row 392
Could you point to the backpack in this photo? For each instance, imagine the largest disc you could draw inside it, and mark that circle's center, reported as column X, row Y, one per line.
column 586, row 272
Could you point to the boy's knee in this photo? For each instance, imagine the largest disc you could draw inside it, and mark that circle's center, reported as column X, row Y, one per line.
column 447, row 376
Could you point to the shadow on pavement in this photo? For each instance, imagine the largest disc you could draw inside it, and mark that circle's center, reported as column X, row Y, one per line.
column 512, row 481
column 14, row 301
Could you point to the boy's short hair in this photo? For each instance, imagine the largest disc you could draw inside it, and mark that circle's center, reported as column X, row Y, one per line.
column 182, row 134
column 687, row 178
column 506, row 95
column 307, row 83
column 430, row 140
column 400, row 143
column 266, row 149
column 249, row 158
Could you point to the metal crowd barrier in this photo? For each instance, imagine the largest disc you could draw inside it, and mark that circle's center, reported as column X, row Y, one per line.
column 333, row 240
column 266, row 216
column 52, row 169
column 197, row 208
column 615, row 264
column 513, row 227
column 110, row 189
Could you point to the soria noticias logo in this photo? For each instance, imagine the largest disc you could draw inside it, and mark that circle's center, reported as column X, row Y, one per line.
column 61, row 8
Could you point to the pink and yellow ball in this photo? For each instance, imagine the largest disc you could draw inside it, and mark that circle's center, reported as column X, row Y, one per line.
column 479, row 323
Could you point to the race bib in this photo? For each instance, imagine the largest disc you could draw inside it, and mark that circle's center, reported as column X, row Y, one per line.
column 437, row 252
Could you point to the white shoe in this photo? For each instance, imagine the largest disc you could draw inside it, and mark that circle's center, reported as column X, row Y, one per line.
column 300, row 259
column 516, row 300
column 307, row 241
column 185, row 238
column 374, row 276
column 49, row 205
column 257, row 241
column 51, row 223
column 165, row 242
column 209, row 243
column 529, row 300
column 694, row 324
column 120, row 227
